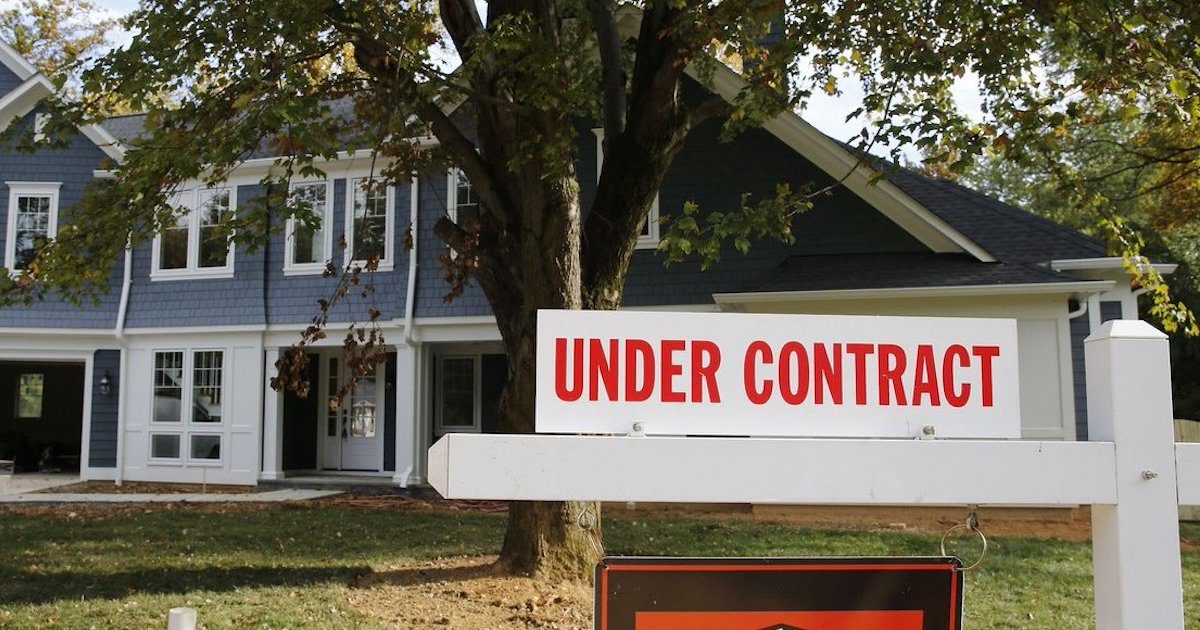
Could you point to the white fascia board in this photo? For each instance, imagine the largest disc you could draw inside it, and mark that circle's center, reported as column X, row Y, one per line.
column 1108, row 262
column 15, row 62
column 23, row 98
column 839, row 163
column 1036, row 288
column 104, row 141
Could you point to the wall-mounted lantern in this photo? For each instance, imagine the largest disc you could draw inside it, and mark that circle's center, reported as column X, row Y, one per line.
column 105, row 384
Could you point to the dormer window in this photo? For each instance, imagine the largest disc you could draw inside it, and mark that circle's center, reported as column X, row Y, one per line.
column 32, row 220
column 197, row 245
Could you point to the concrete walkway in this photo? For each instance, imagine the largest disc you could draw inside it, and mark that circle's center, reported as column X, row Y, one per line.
column 271, row 496
column 35, row 482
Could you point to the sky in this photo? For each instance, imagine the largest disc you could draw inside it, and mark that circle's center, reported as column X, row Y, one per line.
column 825, row 112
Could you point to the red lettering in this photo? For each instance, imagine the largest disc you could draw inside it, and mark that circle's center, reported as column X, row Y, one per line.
column 956, row 398
column 891, row 367
column 756, row 395
column 793, row 389
column 671, row 369
column 827, row 373
column 638, row 352
column 706, row 358
column 925, row 382
column 986, row 354
column 560, row 370
column 602, row 368
column 860, row 352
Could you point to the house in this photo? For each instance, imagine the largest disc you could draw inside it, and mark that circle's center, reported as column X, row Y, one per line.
column 166, row 378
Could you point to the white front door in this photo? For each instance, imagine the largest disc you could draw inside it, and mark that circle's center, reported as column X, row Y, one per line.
column 353, row 436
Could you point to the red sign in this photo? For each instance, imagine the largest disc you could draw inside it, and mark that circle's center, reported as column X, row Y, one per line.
column 779, row 594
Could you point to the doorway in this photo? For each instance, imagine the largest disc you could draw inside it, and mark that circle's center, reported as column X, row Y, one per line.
column 352, row 435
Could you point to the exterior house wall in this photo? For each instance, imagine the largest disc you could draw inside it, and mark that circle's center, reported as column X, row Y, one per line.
column 73, row 167
column 240, row 429
column 102, row 446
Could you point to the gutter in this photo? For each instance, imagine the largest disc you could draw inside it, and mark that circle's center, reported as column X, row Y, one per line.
column 1107, row 262
column 119, row 333
column 411, row 289
column 1087, row 286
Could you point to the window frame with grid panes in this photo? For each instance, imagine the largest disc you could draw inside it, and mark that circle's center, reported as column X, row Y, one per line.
column 20, row 194
column 199, row 392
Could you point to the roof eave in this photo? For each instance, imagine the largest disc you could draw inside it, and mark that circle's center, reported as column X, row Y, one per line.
column 1030, row 288
column 1105, row 263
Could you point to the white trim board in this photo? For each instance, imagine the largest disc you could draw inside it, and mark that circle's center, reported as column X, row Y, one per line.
column 1066, row 288
column 13, row 60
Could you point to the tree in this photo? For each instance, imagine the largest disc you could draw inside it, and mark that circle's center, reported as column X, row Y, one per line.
column 55, row 34
column 1157, row 200
column 254, row 72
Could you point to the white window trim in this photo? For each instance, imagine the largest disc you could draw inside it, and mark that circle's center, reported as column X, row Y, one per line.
column 387, row 261
column 164, row 461
column 477, row 396
column 28, row 189
column 191, row 200
column 187, row 397
column 296, row 269
column 645, row 241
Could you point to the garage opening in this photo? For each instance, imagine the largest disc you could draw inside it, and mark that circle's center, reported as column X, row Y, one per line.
column 41, row 415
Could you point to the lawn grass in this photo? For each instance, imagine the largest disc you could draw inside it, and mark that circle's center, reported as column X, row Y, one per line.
column 291, row 566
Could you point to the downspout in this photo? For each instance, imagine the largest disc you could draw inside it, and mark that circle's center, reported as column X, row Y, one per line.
column 119, row 333
column 1080, row 310
column 410, row 306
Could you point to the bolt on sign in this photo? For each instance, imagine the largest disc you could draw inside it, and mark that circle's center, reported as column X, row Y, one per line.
column 779, row 594
column 736, row 374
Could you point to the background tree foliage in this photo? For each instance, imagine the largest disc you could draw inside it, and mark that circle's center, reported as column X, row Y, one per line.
column 255, row 73
column 55, row 34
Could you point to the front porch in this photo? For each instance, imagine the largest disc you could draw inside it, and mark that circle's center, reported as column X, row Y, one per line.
column 379, row 435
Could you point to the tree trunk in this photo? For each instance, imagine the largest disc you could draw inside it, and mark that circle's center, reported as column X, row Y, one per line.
column 533, row 268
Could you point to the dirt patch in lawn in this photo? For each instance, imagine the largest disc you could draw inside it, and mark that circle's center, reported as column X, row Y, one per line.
column 141, row 487
column 468, row 593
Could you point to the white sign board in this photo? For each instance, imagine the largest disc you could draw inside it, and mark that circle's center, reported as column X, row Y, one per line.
column 776, row 375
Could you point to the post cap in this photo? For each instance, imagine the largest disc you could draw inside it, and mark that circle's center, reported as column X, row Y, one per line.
column 1125, row 329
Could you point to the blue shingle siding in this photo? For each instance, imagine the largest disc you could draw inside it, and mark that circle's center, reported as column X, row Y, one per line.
column 8, row 80
column 431, row 281
column 1080, row 329
column 102, row 449
column 293, row 299
column 199, row 302
column 73, row 167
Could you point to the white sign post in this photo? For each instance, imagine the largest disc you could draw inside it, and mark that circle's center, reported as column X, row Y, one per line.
column 1134, row 476
column 776, row 375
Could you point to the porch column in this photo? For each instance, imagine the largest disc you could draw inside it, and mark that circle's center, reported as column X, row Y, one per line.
column 407, row 396
column 272, row 441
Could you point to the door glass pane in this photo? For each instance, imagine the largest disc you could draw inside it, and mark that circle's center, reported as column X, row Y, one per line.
column 370, row 221
column 214, row 235
column 30, row 388
column 168, row 386
column 206, row 447
column 164, row 446
column 363, row 407
column 206, row 385
column 458, row 392
column 331, row 415
column 309, row 245
column 32, row 228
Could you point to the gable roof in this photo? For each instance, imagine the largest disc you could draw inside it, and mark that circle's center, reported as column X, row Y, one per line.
column 1007, row 232
column 19, row 65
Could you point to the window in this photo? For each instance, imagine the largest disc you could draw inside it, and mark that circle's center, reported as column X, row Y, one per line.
column 648, row 239
column 206, row 385
column 309, row 249
column 189, row 388
column 164, row 446
column 168, row 386
column 458, row 405
column 32, row 220
column 206, row 447
column 31, row 387
column 463, row 204
column 198, row 244
column 369, row 221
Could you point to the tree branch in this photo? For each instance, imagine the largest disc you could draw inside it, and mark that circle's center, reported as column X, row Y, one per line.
column 462, row 22
column 612, row 68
